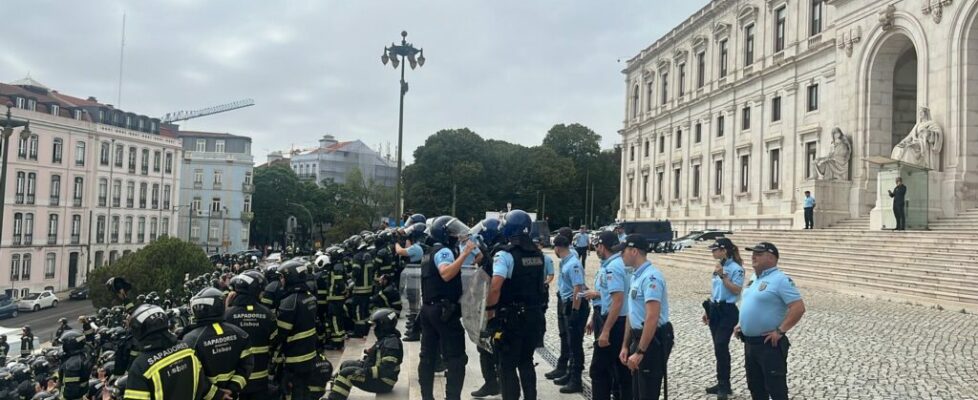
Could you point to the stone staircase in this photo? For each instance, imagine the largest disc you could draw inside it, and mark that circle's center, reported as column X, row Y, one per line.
column 967, row 220
column 852, row 223
column 925, row 267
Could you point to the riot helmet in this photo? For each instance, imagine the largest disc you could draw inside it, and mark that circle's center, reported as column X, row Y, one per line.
column 415, row 231
column 517, row 223
column 487, row 229
column 208, row 305
column 447, row 229
column 147, row 319
column 415, row 218
column 384, row 321
column 72, row 341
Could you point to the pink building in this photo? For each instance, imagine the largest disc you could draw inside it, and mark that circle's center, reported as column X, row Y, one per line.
column 91, row 184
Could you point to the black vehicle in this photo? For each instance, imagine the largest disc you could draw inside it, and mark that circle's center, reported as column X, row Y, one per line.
column 78, row 293
column 655, row 232
column 541, row 230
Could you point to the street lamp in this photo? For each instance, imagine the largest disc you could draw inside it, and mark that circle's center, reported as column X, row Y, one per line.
column 8, row 129
column 400, row 55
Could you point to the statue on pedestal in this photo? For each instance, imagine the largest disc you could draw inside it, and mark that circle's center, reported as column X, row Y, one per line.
column 835, row 166
column 922, row 146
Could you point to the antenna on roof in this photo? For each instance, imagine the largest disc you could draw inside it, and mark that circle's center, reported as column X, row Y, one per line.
column 122, row 52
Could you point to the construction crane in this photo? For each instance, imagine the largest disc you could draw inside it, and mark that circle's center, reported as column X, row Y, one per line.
column 191, row 114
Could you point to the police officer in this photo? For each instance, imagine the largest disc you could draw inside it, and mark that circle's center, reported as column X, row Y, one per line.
column 165, row 369
column 489, row 244
column 515, row 306
column 720, row 310
column 75, row 368
column 573, row 310
column 245, row 312
column 377, row 372
column 332, row 284
column 607, row 373
column 296, row 335
column 581, row 242
column 441, row 316
column 413, row 252
column 771, row 306
column 649, row 339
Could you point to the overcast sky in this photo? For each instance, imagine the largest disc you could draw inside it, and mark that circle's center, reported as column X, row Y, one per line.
column 508, row 70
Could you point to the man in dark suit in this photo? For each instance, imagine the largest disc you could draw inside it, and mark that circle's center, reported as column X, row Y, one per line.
column 898, row 194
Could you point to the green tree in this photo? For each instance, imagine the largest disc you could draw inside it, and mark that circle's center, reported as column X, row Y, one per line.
column 159, row 266
column 361, row 204
column 274, row 185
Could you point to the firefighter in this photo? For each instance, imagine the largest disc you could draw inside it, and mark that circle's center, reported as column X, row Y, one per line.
column 381, row 364
column 296, row 334
column 258, row 322
column 224, row 349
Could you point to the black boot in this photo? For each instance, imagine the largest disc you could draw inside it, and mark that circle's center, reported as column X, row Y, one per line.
column 574, row 384
column 724, row 391
column 556, row 373
column 563, row 380
column 487, row 389
column 713, row 389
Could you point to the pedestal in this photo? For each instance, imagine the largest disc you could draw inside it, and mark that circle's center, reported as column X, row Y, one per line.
column 831, row 202
column 920, row 207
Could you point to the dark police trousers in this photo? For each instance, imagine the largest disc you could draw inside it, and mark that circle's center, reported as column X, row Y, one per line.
column 809, row 217
column 723, row 318
column 901, row 218
column 582, row 254
column 522, row 328
column 607, row 373
column 574, row 322
column 563, row 359
column 767, row 368
column 647, row 380
column 487, row 364
column 442, row 335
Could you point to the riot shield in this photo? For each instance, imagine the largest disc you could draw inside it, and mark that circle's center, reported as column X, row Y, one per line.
column 410, row 288
column 475, row 287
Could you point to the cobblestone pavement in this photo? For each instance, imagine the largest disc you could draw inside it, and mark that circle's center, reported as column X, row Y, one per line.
column 845, row 347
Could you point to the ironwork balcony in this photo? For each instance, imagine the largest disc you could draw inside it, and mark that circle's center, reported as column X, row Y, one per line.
column 248, row 187
column 247, row 216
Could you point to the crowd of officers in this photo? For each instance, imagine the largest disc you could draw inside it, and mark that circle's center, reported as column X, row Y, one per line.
column 261, row 332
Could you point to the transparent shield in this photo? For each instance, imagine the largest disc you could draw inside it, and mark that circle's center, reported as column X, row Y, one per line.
column 475, row 287
column 410, row 287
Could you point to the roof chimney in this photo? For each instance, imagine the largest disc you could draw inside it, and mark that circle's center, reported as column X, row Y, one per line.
column 327, row 140
column 92, row 98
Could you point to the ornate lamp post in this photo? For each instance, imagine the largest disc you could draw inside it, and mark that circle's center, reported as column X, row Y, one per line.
column 8, row 129
column 399, row 55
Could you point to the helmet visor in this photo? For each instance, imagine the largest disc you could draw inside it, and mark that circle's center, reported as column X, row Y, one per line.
column 456, row 228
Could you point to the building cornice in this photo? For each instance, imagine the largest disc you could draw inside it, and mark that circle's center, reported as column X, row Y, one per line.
column 692, row 23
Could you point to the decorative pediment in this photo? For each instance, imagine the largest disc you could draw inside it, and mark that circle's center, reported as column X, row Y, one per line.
column 772, row 3
column 699, row 42
column 663, row 64
column 680, row 56
column 747, row 14
column 720, row 30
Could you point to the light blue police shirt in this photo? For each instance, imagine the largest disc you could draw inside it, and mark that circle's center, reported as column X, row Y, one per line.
column 571, row 274
column 444, row 256
column 611, row 278
column 765, row 302
column 648, row 284
column 502, row 264
column 548, row 266
column 415, row 253
column 470, row 260
column 581, row 239
column 810, row 202
column 736, row 274
column 621, row 237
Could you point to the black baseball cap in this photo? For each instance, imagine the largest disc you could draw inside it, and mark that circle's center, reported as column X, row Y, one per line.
column 609, row 239
column 764, row 247
column 561, row 241
column 635, row 241
column 722, row 243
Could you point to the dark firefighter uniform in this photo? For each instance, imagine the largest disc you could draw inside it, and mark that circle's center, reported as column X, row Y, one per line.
column 330, row 295
column 271, row 294
column 378, row 370
column 321, row 376
column 296, row 336
column 259, row 323
column 387, row 297
column 519, row 315
column 383, row 256
column 165, row 369
column 224, row 351
column 74, row 369
column 363, row 287
column 4, row 349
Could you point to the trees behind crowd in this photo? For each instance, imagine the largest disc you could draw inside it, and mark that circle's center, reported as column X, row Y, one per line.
column 457, row 166
column 158, row 266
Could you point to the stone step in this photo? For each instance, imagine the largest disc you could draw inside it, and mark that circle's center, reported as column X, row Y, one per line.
column 962, row 248
column 915, row 237
column 898, row 251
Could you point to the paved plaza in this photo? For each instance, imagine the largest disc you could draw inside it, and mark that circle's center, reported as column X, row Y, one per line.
column 845, row 347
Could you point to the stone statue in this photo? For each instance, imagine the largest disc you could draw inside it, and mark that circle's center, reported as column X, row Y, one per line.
column 922, row 146
column 835, row 166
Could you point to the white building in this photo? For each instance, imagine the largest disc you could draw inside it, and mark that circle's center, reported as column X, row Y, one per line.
column 89, row 185
column 334, row 160
column 727, row 113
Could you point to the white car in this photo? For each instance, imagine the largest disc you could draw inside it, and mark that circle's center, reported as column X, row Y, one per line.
column 37, row 301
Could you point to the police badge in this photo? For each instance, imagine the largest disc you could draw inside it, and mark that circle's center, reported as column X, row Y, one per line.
column 762, row 287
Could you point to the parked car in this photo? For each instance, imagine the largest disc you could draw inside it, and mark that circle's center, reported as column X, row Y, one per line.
column 37, row 301
column 13, row 339
column 655, row 232
column 79, row 293
column 541, row 230
column 698, row 236
column 8, row 307
column 274, row 258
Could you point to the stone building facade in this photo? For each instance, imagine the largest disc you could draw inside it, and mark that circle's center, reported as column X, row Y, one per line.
column 215, row 191
column 90, row 184
column 334, row 159
column 730, row 116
